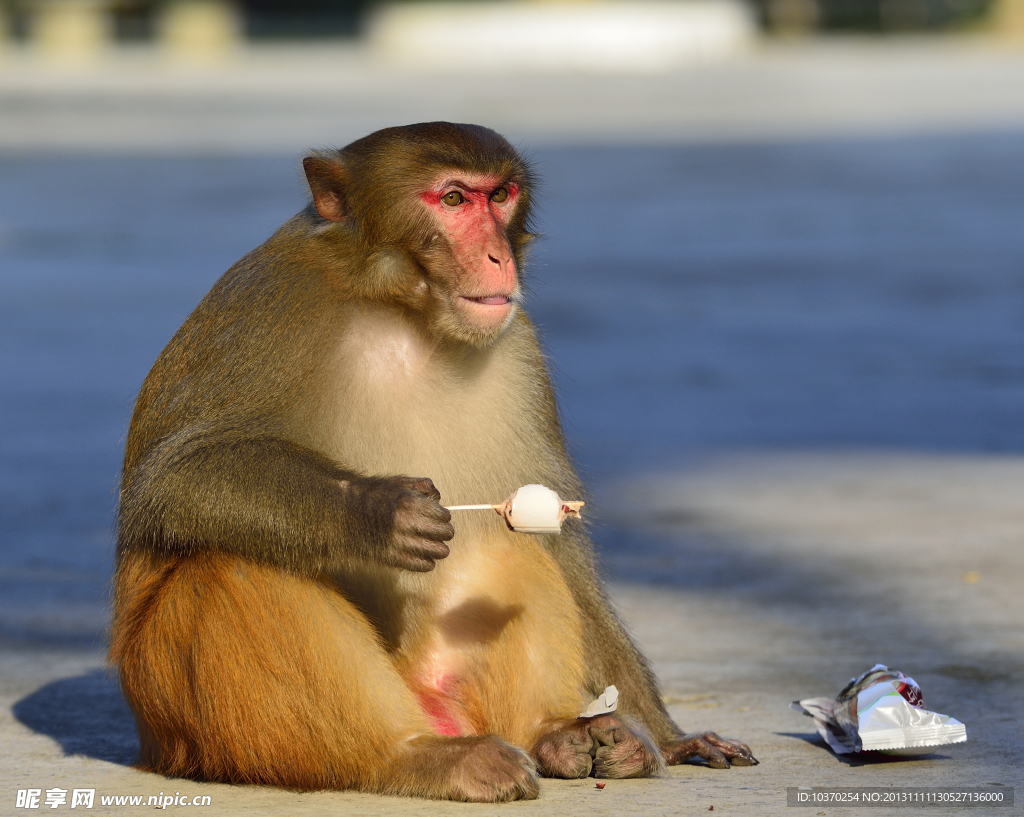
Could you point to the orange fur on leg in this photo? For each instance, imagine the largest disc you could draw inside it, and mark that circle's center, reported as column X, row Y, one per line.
column 242, row 673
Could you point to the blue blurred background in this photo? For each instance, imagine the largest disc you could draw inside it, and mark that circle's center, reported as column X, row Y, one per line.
column 806, row 244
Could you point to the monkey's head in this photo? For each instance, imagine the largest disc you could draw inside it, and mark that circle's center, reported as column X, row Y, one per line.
column 437, row 217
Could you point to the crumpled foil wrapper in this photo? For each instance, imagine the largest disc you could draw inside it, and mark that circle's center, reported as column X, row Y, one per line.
column 881, row 710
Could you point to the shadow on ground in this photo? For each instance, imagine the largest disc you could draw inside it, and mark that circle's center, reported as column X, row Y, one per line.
column 861, row 758
column 87, row 715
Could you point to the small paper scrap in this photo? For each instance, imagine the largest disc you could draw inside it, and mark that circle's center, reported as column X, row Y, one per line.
column 882, row 711
column 604, row 703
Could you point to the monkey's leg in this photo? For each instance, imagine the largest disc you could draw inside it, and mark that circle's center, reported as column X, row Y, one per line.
column 243, row 673
column 605, row 744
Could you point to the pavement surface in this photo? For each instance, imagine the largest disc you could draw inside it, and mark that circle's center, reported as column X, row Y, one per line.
column 749, row 582
column 783, row 297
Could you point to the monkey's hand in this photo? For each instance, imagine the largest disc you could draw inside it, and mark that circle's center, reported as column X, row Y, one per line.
column 719, row 752
column 605, row 746
column 406, row 514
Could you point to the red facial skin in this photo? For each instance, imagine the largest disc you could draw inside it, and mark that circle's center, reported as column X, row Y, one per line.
column 475, row 228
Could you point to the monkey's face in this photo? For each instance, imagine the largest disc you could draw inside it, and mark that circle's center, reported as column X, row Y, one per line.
column 433, row 218
column 468, row 260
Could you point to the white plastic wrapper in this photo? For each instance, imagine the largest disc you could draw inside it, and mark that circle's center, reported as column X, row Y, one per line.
column 881, row 711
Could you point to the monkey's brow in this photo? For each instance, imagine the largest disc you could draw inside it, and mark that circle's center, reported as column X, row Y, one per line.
column 490, row 182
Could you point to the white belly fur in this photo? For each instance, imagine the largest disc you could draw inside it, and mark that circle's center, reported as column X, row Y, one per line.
column 399, row 407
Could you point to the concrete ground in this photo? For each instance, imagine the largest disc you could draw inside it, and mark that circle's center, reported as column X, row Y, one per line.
column 784, row 300
column 749, row 582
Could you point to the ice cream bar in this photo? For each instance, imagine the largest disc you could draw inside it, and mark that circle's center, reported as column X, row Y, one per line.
column 531, row 509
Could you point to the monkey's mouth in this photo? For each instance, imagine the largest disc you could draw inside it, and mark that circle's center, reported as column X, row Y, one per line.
column 486, row 312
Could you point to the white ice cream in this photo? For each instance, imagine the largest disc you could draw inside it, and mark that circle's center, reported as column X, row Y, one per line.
column 534, row 509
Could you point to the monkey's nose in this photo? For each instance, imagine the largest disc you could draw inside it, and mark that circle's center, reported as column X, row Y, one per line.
column 501, row 257
column 500, row 263
column 503, row 263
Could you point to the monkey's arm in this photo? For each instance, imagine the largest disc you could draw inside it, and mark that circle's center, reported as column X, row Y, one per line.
column 613, row 658
column 276, row 502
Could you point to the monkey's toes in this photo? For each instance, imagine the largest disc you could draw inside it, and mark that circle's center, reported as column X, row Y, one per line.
column 740, row 760
column 495, row 772
column 719, row 752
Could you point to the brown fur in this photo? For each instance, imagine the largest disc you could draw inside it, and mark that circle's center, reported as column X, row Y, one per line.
column 287, row 610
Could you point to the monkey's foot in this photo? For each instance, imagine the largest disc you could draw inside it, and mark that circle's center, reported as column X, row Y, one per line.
column 719, row 752
column 470, row 769
column 603, row 745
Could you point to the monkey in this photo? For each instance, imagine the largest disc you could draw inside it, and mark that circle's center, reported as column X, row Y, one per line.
column 292, row 603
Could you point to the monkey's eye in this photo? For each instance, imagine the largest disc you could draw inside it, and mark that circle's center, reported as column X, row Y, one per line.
column 453, row 199
column 500, row 195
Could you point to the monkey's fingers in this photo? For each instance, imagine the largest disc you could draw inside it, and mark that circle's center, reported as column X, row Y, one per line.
column 416, row 508
column 424, row 527
column 423, row 485
column 439, row 513
column 606, row 731
column 618, row 751
column 717, row 751
column 416, row 554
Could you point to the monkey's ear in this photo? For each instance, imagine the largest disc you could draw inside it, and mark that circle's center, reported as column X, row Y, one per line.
column 327, row 180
